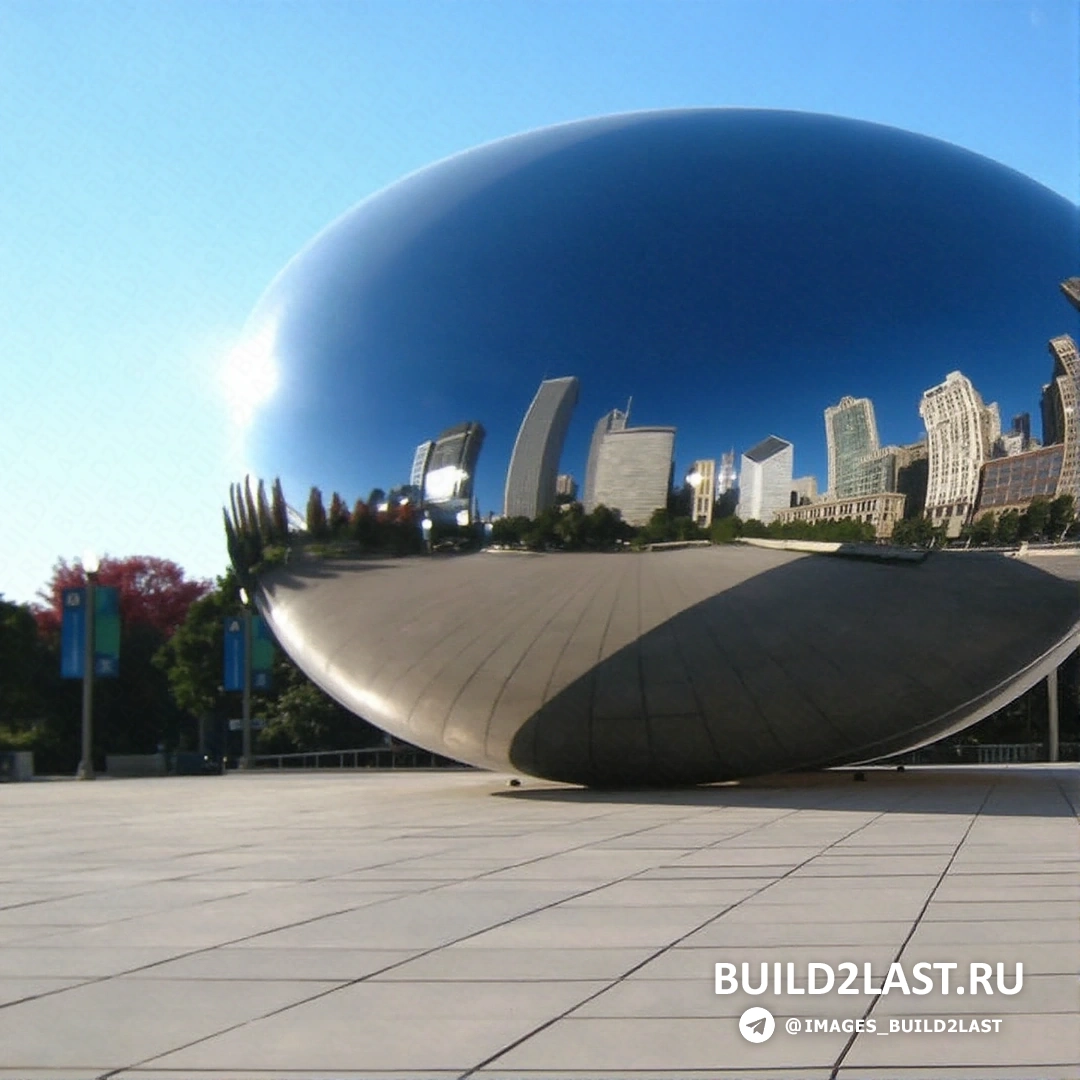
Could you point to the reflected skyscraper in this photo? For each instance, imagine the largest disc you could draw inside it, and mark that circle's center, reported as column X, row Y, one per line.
column 857, row 464
column 451, row 468
column 420, row 464
column 633, row 471
column 1061, row 424
column 534, row 464
column 702, row 481
column 1071, row 288
column 726, row 479
column 850, row 436
column 765, row 479
column 961, row 430
column 616, row 420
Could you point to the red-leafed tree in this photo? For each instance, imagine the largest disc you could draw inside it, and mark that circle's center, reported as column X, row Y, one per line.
column 135, row 712
column 153, row 592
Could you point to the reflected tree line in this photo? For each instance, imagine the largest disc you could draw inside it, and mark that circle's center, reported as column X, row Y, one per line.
column 260, row 533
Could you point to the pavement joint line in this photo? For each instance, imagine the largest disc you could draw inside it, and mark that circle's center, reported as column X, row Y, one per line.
column 1065, row 795
column 371, row 974
column 674, row 944
column 846, row 1049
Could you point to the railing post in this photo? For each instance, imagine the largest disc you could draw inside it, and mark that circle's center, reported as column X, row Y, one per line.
column 1054, row 747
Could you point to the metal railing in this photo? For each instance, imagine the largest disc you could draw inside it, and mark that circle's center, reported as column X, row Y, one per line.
column 986, row 754
column 374, row 757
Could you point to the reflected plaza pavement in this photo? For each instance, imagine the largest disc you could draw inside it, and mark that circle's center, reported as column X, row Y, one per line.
column 442, row 924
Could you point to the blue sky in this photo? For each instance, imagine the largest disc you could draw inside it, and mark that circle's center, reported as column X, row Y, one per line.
column 160, row 163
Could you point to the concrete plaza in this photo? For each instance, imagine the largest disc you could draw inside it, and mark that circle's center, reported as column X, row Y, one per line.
column 443, row 924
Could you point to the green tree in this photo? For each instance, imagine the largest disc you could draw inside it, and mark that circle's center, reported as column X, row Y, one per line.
column 22, row 663
column 1007, row 530
column 315, row 517
column 252, row 512
column 755, row 529
column 338, row 517
column 1035, row 520
column 918, row 532
column 604, row 528
column 725, row 530
column 266, row 520
column 301, row 718
column 279, row 513
column 136, row 711
column 982, row 532
column 1062, row 516
column 192, row 659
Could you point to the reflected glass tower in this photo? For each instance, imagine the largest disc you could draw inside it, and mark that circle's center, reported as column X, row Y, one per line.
column 448, row 483
column 765, row 479
column 851, row 436
column 534, row 464
column 633, row 471
column 616, row 420
column 726, row 479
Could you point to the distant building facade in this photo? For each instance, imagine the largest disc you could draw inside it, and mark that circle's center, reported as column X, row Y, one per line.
column 703, row 489
column 961, row 430
column 912, row 473
column 803, row 491
column 765, row 473
column 633, row 471
column 1061, row 423
column 1010, row 483
column 534, row 464
column 616, row 420
column 565, row 486
column 882, row 510
column 451, row 469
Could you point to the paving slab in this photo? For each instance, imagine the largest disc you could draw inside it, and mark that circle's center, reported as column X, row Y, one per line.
column 430, row 925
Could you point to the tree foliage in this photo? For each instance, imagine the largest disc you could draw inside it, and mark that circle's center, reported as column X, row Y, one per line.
column 315, row 518
column 154, row 593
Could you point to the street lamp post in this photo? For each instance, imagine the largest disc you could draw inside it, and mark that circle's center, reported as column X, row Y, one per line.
column 245, row 756
column 86, row 766
column 426, row 526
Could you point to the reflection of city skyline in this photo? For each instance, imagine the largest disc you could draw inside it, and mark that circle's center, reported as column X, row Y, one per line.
column 945, row 472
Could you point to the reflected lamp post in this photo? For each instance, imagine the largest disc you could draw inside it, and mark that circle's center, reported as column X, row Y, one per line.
column 426, row 527
column 86, row 766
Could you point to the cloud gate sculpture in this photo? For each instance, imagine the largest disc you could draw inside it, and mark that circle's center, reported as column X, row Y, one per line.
column 587, row 314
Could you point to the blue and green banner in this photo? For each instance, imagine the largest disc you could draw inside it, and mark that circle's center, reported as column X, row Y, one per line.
column 262, row 653
column 106, row 632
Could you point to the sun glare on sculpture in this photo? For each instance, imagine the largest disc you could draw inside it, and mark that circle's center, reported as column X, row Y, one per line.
column 250, row 374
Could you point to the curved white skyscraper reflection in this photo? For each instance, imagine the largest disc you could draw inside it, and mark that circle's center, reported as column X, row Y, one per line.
column 534, row 465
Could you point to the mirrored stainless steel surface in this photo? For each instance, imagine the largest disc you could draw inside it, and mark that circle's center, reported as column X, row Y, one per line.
column 578, row 300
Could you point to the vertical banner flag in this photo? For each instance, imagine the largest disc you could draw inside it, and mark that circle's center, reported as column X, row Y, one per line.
column 72, row 633
column 262, row 654
column 107, row 631
column 234, row 652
